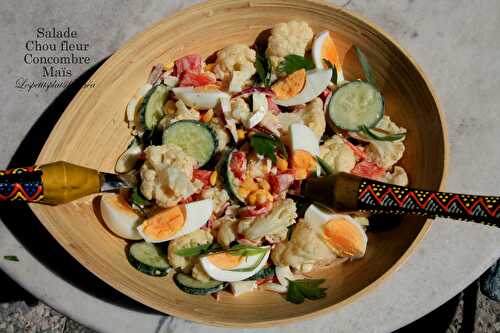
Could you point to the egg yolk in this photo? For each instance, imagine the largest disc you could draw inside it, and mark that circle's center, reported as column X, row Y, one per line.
column 304, row 163
column 329, row 52
column 164, row 224
column 343, row 238
column 291, row 85
column 225, row 260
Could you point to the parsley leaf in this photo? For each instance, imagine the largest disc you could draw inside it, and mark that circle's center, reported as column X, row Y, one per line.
column 299, row 290
column 267, row 146
column 390, row 137
column 334, row 70
column 263, row 67
column 11, row 258
column 198, row 250
column 294, row 62
column 327, row 168
column 246, row 250
column 367, row 69
column 138, row 199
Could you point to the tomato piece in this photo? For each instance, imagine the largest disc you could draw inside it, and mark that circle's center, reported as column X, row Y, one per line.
column 280, row 183
column 368, row 169
column 203, row 176
column 252, row 211
column 192, row 79
column 190, row 62
column 238, row 164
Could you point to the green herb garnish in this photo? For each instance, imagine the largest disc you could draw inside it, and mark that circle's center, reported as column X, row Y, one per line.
column 246, row 250
column 249, row 269
column 11, row 258
column 324, row 165
column 367, row 69
column 390, row 137
column 138, row 199
column 334, row 70
column 263, row 67
column 198, row 250
column 299, row 290
column 294, row 62
column 268, row 146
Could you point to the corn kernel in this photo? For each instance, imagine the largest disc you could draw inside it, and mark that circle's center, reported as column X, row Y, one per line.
column 168, row 66
column 241, row 134
column 169, row 107
column 252, row 198
column 209, row 67
column 213, row 178
column 249, row 184
column 270, row 197
column 265, row 185
column 282, row 164
column 243, row 192
column 300, row 174
column 208, row 116
column 261, row 197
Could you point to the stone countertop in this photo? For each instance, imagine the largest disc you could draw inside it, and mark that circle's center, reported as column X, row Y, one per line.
column 456, row 44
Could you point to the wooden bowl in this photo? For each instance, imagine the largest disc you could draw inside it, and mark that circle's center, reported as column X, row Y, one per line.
column 92, row 132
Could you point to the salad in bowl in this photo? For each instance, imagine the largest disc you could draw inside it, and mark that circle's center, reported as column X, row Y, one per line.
column 220, row 148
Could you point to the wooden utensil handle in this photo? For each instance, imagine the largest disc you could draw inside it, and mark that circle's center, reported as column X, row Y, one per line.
column 378, row 197
column 21, row 184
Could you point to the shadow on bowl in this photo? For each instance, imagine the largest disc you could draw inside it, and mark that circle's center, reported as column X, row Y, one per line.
column 28, row 230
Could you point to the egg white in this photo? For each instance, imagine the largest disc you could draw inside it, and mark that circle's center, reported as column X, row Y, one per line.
column 317, row 55
column 219, row 274
column 317, row 80
column 196, row 215
column 303, row 138
column 121, row 220
column 199, row 99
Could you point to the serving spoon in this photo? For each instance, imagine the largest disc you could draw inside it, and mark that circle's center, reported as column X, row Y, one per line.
column 61, row 182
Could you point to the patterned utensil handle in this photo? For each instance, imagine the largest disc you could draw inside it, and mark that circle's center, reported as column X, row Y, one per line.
column 21, row 184
column 378, row 197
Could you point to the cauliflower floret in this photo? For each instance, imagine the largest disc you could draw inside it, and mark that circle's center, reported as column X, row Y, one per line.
column 384, row 153
column 223, row 138
column 337, row 154
column 397, row 177
column 294, row 37
column 228, row 230
column 199, row 273
column 219, row 197
column 183, row 113
column 303, row 251
column 195, row 238
column 274, row 224
column 311, row 115
column 258, row 167
column 235, row 62
column 166, row 175
column 272, row 123
column 240, row 111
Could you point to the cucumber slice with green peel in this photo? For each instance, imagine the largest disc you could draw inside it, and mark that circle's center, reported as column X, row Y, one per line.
column 152, row 106
column 195, row 139
column 356, row 105
column 147, row 258
column 194, row 287
column 229, row 180
column 263, row 274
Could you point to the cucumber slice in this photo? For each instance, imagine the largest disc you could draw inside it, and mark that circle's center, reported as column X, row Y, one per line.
column 195, row 138
column 263, row 274
column 192, row 286
column 146, row 258
column 152, row 106
column 229, row 180
column 356, row 104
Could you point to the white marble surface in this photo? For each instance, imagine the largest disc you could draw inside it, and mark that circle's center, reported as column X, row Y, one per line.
column 455, row 42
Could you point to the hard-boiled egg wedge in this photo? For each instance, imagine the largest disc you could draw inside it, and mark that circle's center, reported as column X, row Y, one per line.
column 305, row 148
column 177, row 221
column 316, row 81
column 324, row 48
column 343, row 235
column 199, row 98
column 290, row 86
column 226, row 267
column 119, row 217
column 259, row 108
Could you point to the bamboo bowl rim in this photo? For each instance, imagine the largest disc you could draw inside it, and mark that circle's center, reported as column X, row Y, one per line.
column 173, row 311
